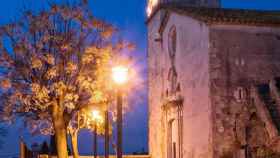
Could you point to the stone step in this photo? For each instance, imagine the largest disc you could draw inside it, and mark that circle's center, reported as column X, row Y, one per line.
column 270, row 103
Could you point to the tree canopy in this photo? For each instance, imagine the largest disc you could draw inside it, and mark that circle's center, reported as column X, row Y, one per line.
column 52, row 64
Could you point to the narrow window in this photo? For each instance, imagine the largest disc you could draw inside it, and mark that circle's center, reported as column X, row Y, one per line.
column 240, row 94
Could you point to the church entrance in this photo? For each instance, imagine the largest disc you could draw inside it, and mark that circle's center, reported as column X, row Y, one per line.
column 171, row 141
column 174, row 125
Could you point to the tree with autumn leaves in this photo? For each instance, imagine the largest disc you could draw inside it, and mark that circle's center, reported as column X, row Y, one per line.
column 84, row 120
column 54, row 63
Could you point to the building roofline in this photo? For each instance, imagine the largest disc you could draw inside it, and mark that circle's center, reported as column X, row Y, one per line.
column 222, row 15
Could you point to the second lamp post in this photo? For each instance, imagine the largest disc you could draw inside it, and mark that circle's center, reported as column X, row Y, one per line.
column 97, row 118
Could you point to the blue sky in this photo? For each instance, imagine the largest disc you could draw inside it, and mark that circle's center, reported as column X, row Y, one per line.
column 129, row 17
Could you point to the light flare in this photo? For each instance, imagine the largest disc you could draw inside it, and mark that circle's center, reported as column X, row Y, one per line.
column 96, row 116
column 120, row 74
column 151, row 5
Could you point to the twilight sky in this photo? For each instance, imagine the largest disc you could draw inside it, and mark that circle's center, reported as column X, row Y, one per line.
column 129, row 17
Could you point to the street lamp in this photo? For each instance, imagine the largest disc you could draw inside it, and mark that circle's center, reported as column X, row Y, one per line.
column 120, row 74
column 96, row 118
column 120, row 77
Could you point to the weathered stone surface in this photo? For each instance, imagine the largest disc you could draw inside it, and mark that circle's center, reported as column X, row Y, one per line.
column 191, row 61
column 218, row 70
column 250, row 56
column 156, row 90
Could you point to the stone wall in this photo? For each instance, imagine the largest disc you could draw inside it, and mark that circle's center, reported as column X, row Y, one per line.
column 216, row 68
column 241, row 57
column 155, row 59
column 191, row 62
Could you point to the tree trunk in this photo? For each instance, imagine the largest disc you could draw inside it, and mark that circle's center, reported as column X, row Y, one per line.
column 60, row 132
column 74, row 143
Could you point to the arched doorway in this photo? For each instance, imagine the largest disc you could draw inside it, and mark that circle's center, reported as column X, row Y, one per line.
column 174, row 129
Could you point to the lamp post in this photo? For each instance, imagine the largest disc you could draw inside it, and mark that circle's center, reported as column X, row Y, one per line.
column 106, row 152
column 96, row 117
column 95, row 141
column 120, row 77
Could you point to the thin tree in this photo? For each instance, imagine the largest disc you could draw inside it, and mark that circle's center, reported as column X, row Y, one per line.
column 83, row 120
column 52, row 64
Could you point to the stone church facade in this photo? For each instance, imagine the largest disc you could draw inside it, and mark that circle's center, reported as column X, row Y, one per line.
column 214, row 86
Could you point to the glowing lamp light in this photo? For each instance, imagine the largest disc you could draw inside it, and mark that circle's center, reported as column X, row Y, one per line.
column 96, row 115
column 120, row 74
